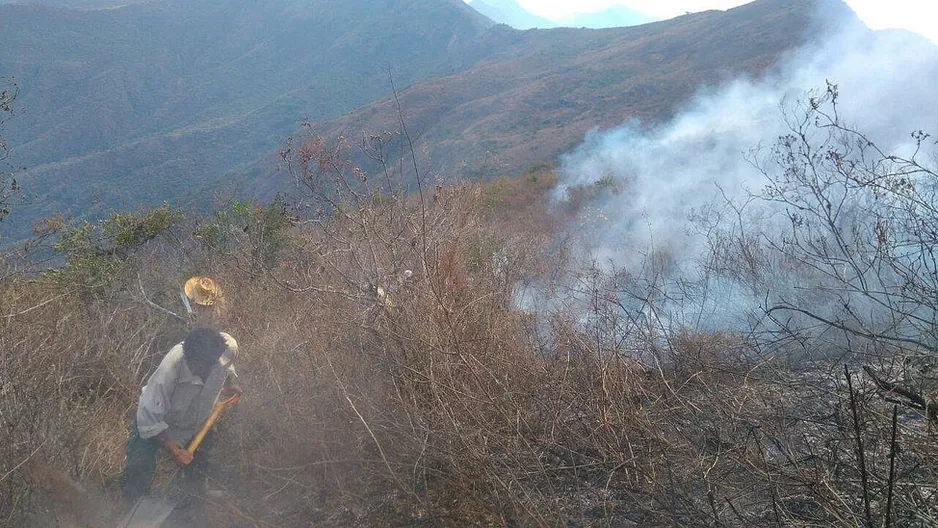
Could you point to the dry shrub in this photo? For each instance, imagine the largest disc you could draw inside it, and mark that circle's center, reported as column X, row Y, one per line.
column 704, row 356
column 431, row 385
column 377, row 398
column 70, row 373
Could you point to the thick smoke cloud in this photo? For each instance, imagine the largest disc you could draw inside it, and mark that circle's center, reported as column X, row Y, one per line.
column 699, row 158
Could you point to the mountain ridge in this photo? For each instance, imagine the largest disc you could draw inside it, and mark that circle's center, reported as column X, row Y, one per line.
column 607, row 78
column 109, row 97
column 477, row 91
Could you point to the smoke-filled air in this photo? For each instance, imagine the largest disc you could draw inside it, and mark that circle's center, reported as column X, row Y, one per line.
column 664, row 203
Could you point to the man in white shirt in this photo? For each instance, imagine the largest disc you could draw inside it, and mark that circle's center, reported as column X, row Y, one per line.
column 176, row 401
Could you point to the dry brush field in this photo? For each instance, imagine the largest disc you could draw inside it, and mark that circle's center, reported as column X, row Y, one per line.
column 431, row 398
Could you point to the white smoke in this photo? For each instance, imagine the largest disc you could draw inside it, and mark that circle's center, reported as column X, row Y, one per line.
column 668, row 172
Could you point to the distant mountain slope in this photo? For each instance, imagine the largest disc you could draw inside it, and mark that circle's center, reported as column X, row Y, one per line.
column 161, row 100
column 508, row 12
column 616, row 16
column 130, row 72
column 133, row 104
column 538, row 96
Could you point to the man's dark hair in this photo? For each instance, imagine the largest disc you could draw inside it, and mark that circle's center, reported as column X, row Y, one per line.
column 204, row 345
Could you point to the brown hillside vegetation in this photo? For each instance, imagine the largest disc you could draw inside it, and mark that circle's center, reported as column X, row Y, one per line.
column 380, row 398
column 539, row 92
column 115, row 102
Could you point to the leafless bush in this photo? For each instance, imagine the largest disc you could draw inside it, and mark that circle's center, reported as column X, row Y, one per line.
column 394, row 375
column 846, row 275
column 69, row 375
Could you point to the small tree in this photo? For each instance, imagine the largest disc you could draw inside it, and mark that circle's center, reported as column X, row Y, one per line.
column 842, row 243
column 861, row 232
column 252, row 234
column 95, row 253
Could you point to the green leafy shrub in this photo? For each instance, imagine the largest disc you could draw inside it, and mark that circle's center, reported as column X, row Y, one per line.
column 95, row 252
column 248, row 231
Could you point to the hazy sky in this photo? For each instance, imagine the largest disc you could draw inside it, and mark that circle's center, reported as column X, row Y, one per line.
column 915, row 15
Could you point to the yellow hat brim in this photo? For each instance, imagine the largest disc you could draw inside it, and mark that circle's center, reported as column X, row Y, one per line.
column 202, row 290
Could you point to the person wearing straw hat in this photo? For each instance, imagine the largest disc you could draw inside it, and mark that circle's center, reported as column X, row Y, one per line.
column 179, row 395
column 207, row 306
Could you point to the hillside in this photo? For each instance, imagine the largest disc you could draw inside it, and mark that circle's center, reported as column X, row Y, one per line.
column 498, row 353
column 107, row 99
column 172, row 94
column 394, row 375
column 105, row 77
column 538, row 94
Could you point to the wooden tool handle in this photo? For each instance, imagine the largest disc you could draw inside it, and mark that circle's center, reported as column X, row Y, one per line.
column 212, row 418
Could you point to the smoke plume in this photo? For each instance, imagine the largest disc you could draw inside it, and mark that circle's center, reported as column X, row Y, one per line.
column 655, row 178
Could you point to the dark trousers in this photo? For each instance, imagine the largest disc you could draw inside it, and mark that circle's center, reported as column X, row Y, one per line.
column 140, row 468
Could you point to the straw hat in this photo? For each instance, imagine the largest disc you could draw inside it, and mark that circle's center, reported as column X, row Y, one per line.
column 203, row 291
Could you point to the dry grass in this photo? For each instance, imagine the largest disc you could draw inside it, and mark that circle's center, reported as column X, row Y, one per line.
column 436, row 403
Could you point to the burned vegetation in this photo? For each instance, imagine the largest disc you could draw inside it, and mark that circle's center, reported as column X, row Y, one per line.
column 420, row 353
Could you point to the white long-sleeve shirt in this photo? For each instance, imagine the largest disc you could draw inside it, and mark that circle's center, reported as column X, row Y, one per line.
column 177, row 401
